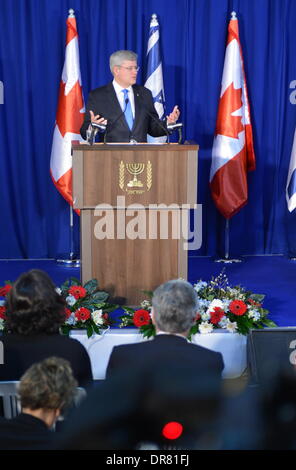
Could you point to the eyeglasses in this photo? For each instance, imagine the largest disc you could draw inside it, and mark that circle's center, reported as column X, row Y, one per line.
column 132, row 67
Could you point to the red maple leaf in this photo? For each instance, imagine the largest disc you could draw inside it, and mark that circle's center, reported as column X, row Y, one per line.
column 230, row 102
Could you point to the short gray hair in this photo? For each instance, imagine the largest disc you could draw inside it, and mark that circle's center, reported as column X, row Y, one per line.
column 118, row 57
column 175, row 305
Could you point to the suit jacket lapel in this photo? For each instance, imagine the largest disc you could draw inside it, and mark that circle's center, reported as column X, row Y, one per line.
column 115, row 108
column 137, row 106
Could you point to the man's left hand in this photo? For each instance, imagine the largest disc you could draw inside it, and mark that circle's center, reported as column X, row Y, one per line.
column 174, row 116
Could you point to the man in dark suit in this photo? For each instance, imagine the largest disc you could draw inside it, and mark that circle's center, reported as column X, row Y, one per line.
column 125, row 108
column 174, row 307
column 155, row 385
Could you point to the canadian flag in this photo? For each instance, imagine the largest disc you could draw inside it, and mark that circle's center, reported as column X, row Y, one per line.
column 233, row 151
column 69, row 116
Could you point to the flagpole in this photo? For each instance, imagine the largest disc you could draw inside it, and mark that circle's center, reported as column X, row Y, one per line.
column 227, row 259
column 69, row 118
column 227, row 239
column 71, row 259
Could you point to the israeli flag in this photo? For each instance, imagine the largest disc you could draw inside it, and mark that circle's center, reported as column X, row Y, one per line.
column 154, row 79
column 291, row 181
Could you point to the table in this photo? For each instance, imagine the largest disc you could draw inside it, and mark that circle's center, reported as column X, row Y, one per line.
column 99, row 347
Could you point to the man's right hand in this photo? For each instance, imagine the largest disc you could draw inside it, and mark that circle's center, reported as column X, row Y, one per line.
column 97, row 119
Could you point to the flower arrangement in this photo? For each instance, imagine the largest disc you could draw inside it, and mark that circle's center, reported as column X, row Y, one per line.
column 86, row 306
column 3, row 293
column 220, row 306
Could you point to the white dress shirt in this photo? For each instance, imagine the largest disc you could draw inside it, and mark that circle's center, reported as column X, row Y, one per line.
column 120, row 96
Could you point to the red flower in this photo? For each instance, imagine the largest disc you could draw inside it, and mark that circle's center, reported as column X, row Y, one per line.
column 4, row 290
column 82, row 314
column 67, row 312
column 254, row 303
column 198, row 317
column 77, row 291
column 105, row 316
column 238, row 307
column 216, row 315
column 141, row 317
column 2, row 313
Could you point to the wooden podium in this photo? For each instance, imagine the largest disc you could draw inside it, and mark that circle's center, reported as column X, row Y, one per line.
column 131, row 239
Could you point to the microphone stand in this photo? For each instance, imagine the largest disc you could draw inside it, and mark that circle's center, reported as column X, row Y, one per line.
column 177, row 126
column 71, row 260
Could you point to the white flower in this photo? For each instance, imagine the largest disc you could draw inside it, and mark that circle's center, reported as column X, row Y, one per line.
column 205, row 316
column 231, row 326
column 226, row 303
column 97, row 317
column 1, row 324
column 223, row 322
column 203, row 303
column 71, row 300
column 200, row 285
column 205, row 328
column 254, row 314
column 58, row 290
column 146, row 305
column 71, row 320
column 215, row 303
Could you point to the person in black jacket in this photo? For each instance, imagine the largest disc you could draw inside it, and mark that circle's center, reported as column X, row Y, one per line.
column 155, row 384
column 34, row 314
column 174, row 308
column 107, row 105
column 46, row 389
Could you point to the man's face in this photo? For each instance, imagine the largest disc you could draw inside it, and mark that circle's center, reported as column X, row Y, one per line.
column 126, row 73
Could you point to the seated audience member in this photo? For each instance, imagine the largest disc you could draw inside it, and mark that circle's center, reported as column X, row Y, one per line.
column 150, row 404
column 46, row 389
column 278, row 410
column 35, row 312
column 174, row 308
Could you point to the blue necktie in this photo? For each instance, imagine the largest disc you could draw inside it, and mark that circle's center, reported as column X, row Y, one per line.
column 128, row 110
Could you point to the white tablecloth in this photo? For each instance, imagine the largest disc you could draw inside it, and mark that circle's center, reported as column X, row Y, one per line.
column 99, row 347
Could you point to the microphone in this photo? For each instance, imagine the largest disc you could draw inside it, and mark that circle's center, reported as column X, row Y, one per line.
column 108, row 128
column 92, row 132
column 153, row 117
column 177, row 126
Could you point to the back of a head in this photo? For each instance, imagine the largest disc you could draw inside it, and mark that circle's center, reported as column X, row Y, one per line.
column 48, row 384
column 33, row 305
column 174, row 305
column 118, row 57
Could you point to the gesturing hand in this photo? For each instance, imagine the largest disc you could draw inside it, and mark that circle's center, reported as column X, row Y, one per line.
column 97, row 119
column 174, row 116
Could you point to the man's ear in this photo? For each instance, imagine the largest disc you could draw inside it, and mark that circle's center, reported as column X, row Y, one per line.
column 152, row 316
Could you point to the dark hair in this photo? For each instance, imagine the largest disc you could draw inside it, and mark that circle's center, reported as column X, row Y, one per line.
column 48, row 384
column 33, row 305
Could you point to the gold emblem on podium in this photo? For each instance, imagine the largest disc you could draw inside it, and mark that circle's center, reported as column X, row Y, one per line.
column 135, row 185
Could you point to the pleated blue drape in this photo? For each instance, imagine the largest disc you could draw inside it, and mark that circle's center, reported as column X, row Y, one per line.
column 35, row 217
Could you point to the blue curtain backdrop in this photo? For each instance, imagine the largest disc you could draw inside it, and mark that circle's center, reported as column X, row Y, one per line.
column 35, row 218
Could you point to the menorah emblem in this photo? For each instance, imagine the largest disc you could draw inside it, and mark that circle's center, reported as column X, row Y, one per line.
column 135, row 169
